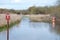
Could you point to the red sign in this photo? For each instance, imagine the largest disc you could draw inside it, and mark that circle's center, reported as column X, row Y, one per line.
column 7, row 17
column 53, row 19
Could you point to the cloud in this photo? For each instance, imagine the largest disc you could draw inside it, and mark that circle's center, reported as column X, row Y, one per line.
column 15, row 1
column 24, row 4
column 24, row 1
column 33, row 2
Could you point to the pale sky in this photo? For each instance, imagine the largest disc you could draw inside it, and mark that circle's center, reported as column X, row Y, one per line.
column 24, row 4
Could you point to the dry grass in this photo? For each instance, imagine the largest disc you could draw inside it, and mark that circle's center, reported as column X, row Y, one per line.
column 13, row 18
column 40, row 17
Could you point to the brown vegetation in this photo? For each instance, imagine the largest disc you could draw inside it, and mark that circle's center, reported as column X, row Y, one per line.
column 14, row 17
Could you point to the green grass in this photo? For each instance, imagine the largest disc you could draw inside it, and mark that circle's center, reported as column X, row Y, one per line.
column 4, row 27
column 47, row 21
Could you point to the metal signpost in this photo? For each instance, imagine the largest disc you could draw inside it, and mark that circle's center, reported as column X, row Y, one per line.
column 7, row 18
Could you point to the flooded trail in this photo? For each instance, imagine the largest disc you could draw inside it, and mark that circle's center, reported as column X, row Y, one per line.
column 27, row 30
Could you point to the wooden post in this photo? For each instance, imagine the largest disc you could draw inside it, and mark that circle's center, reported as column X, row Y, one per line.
column 7, row 30
column 7, row 18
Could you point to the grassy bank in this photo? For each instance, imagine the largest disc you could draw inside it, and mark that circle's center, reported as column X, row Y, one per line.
column 14, row 19
column 4, row 27
column 40, row 18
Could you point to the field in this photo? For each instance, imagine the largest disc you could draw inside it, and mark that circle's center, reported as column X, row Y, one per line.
column 39, row 18
column 13, row 18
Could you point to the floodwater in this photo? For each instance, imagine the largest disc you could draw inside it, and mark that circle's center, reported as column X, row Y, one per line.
column 27, row 30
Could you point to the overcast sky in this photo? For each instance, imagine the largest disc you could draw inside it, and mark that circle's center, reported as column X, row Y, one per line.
column 24, row 4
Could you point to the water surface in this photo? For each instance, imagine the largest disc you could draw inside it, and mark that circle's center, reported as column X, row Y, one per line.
column 27, row 30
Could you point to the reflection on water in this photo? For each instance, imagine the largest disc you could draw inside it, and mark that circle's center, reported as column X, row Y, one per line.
column 55, row 29
column 27, row 30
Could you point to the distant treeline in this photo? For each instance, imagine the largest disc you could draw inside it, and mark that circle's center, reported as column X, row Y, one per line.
column 35, row 10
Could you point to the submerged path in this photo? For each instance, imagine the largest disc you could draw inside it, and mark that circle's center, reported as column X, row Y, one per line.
column 27, row 30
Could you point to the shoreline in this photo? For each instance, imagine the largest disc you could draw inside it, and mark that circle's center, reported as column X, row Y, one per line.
column 14, row 19
column 4, row 27
column 40, row 18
